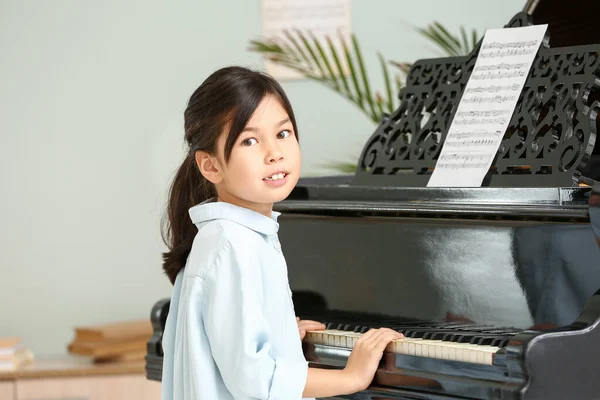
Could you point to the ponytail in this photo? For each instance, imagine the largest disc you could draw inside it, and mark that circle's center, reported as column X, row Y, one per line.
column 189, row 188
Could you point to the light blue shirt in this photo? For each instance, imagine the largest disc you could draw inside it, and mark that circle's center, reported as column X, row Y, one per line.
column 231, row 331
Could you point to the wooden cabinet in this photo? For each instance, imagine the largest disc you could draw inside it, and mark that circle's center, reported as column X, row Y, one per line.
column 75, row 379
column 88, row 388
column 7, row 390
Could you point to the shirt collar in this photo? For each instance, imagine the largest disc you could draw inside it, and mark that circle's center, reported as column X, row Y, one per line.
column 212, row 210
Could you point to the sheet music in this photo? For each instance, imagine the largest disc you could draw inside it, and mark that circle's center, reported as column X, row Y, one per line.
column 488, row 102
column 321, row 17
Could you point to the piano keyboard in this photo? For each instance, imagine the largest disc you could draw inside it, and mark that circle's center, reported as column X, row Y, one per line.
column 465, row 352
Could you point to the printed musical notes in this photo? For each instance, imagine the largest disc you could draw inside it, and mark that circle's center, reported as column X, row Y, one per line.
column 479, row 117
column 486, row 106
column 455, row 160
column 470, row 139
column 488, row 99
column 508, row 49
column 493, row 88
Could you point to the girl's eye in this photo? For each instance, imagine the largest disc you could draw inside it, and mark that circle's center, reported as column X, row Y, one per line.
column 249, row 142
column 283, row 134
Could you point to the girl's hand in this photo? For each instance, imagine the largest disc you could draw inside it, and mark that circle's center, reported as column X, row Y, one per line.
column 307, row 325
column 364, row 359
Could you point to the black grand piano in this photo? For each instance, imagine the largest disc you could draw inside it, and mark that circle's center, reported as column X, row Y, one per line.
column 511, row 268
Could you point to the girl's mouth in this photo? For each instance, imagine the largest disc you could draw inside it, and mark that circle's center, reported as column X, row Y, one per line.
column 277, row 179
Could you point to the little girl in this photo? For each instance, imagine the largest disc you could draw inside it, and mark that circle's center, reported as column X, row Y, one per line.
column 231, row 331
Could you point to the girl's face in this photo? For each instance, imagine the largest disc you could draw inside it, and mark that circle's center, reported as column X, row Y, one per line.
column 264, row 165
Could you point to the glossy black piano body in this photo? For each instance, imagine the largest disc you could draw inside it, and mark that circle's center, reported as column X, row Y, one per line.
column 519, row 258
column 514, row 264
column 522, row 258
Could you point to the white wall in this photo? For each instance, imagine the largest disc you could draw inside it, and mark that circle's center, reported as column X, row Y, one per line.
column 91, row 102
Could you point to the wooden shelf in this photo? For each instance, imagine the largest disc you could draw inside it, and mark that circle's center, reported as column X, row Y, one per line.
column 71, row 366
column 78, row 377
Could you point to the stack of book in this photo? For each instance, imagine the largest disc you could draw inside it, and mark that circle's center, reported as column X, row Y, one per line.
column 13, row 354
column 116, row 342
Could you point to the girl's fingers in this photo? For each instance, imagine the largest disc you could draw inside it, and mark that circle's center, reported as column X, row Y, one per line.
column 384, row 339
column 375, row 337
column 366, row 337
column 311, row 325
column 308, row 320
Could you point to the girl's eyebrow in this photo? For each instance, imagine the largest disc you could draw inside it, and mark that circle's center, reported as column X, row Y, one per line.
column 255, row 130
column 283, row 122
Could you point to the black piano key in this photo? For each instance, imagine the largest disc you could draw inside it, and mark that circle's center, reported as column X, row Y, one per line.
column 432, row 335
column 481, row 340
column 463, row 326
column 503, row 331
column 465, row 339
column 458, row 332
column 476, row 328
column 460, row 337
column 498, row 341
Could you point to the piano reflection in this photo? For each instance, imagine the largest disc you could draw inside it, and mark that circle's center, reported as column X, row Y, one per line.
column 497, row 288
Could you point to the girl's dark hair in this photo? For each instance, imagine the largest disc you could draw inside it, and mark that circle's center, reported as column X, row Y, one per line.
column 228, row 96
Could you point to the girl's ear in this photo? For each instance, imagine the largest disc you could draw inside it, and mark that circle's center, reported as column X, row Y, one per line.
column 209, row 167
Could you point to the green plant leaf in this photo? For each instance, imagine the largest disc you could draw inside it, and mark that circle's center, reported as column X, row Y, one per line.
column 444, row 32
column 291, row 53
column 404, row 67
column 298, row 48
column 465, row 40
column 340, row 69
column 345, row 167
column 442, row 36
column 388, row 84
column 302, row 70
column 265, row 47
column 379, row 103
column 310, row 51
column 363, row 71
column 474, row 38
column 398, row 84
column 332, row 75
column 435, row 38
column 359, row 99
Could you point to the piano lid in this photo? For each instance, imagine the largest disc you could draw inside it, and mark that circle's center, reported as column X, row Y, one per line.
column 570, row 23
column 549, row 140
column 316, row 196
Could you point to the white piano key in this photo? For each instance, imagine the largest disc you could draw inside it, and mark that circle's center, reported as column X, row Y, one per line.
column 465, row 352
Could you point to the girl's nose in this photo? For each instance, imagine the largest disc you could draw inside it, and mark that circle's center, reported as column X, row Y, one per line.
column 274, row 154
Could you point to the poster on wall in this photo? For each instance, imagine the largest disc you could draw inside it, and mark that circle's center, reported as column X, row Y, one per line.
column 322, row 18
